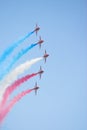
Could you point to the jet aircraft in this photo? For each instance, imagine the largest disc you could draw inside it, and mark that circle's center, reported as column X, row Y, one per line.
column 45, row 55
column 36, row 88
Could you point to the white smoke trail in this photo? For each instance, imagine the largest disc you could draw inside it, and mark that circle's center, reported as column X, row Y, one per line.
column 12, row 76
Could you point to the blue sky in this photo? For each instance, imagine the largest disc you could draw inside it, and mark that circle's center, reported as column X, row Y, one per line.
column 61, row 101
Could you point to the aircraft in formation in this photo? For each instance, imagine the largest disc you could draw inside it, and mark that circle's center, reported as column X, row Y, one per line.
column 36, row 88
column 45, row 55
column 40, row 72
column 37, row 28
column 40, row 41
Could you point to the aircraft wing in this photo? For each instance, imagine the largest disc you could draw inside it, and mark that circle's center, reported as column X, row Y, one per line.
column 45, row 59
column 35, row 92
column 39, row 45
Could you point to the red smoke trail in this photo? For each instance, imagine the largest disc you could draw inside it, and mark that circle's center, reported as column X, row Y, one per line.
column 12, row 103
column 16, row 84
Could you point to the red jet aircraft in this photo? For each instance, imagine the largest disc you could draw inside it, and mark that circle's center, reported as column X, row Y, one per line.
column 40, row 71
column 36, row 29
column 40, row 41
column 45, row 56
column 36, row 88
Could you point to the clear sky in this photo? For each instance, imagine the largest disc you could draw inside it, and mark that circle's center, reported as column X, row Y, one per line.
column 61, row 103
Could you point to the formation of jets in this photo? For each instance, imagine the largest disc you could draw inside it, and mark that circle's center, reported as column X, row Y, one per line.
column 37, row 28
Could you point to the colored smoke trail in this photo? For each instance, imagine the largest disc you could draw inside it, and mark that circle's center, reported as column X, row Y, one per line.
column 14, row 86
column 9, row 50
column 5, row 111
column 12, row 76
column 15, row 59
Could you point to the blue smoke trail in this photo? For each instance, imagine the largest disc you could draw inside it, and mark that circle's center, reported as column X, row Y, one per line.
column 9, row 50
column 16, row 58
